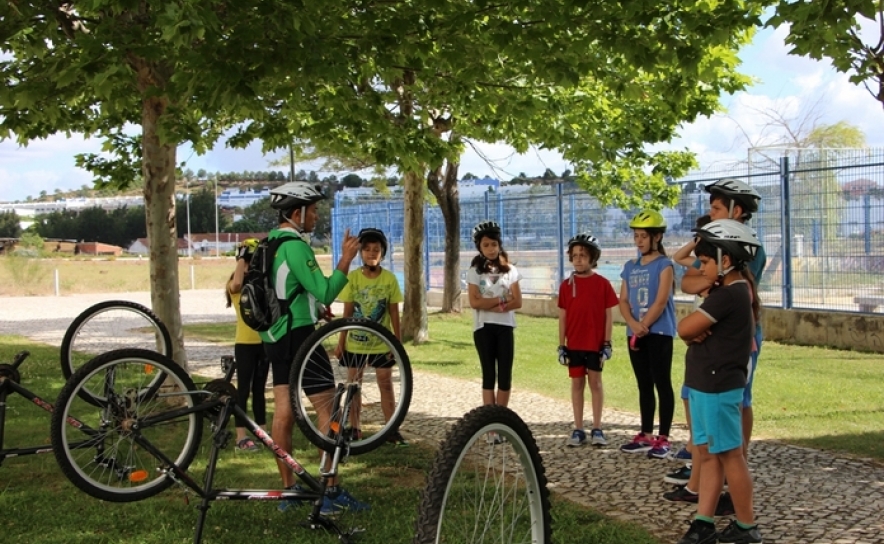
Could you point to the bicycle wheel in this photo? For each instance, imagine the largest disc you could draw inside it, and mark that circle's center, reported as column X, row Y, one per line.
column 383, row 374
column 109, row 325
column 116, row 462
column 486, row 490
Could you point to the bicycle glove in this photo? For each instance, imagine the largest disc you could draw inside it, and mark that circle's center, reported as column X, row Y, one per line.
column 564, row 356
column 606, row 352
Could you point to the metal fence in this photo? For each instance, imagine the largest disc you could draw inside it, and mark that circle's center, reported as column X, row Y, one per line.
column 828, row 203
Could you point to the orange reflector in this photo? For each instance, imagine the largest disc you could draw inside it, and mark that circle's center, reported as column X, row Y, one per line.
column 335, row 426
column 148, row 369
column 138, row 476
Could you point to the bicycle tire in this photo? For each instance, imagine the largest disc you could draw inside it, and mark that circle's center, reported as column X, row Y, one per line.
column 109, row 325
column 456, row 505
column 112, row 464
column 376, row 420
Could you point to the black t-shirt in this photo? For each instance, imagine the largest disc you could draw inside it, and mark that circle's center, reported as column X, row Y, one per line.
column 721, row 361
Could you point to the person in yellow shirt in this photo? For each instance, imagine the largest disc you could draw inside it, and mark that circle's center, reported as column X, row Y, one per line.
column 252, row 365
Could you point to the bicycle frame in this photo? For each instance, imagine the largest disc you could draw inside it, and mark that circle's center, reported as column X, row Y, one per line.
column 9, row 385
column 227, row 407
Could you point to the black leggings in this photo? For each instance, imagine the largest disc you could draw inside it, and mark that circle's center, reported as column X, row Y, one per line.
column 251, row 377
column 495, row 345
column 652, row 365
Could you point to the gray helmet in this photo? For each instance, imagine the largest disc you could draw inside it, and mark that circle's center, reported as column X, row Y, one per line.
column 585, row 239
column 373, row 235
column 294, row 195
column 732, row 237
column 734, row 189
column 485, row 228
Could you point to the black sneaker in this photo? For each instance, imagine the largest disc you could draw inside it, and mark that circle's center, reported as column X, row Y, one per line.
column 679, row 477
column 725, row 506
column 701, row 532
column 733, row 534
column 681, row 495
column 397, row 439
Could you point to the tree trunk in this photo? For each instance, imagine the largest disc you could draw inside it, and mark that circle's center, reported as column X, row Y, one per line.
column 444, row 188
column 158, row 169
column 414, row 308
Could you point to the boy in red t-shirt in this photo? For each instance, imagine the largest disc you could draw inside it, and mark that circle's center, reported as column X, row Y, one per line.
column 585, row 322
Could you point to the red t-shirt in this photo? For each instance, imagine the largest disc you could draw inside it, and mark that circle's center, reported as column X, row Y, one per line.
column 585, row 303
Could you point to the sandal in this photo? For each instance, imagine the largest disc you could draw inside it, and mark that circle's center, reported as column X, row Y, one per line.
column 246, row 444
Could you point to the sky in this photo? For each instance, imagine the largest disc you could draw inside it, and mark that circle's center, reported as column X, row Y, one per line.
column 785, row 83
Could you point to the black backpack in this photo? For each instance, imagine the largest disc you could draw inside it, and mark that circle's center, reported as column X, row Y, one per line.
column 258, row 304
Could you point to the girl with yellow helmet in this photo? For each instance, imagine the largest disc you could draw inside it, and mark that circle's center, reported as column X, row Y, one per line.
column 649, row 310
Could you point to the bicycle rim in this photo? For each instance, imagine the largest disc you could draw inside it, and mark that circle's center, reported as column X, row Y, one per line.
column 482, row 490
column 383, row 377
column 115, row 464
column 107, row 326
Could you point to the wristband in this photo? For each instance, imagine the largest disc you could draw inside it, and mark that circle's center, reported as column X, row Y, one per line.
column 502, row 304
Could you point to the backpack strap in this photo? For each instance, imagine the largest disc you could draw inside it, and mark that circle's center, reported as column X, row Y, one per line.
column 272, row 248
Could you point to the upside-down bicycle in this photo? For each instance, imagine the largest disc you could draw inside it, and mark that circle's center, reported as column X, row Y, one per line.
column 150, row 416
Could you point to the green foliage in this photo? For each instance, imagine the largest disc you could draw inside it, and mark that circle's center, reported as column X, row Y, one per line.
column 10, row 224
column 259, row 217
column 31, row 241
column 119, row 227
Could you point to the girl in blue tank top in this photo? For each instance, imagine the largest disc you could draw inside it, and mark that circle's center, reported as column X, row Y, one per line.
column 649, row 311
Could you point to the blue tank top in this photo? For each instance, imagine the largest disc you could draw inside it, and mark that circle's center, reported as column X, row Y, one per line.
column 642, row 286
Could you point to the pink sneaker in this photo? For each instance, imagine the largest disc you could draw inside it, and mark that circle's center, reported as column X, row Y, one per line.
column 659, row 447
column 640, row 444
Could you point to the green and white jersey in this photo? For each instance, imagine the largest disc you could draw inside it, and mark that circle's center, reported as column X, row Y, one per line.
column 295, row 268
column 371, row 298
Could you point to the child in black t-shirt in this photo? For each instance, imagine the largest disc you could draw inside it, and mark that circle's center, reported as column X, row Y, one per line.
column 719, row 338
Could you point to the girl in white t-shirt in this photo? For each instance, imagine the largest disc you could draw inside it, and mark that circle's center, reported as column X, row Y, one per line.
column 493, row 286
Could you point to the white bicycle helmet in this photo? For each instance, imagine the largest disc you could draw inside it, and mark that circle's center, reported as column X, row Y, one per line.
column 732, row 237
column 585, row 239
column 734, row 189
column 485, row 228
column 373, row 235
column 295, row 194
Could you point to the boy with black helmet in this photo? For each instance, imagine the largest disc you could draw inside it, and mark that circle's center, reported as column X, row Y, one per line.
column 586, row 319
column 372, row 293
column 719, row 338
column 494, row 294
column 648, row 308
column 298, row 278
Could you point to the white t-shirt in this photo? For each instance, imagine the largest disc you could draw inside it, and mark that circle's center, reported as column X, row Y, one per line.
column 493, row 286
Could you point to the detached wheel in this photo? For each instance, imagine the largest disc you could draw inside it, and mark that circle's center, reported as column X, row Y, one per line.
column 110, row 325
column 486, row 487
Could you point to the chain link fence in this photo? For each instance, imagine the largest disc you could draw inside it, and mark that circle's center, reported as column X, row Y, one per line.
column 821, row 220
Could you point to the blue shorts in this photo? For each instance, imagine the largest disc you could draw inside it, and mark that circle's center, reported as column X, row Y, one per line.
column 716, row 420
column 750, row 378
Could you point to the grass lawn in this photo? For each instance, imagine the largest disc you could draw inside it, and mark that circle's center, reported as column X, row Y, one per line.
column 814, row 397
column 38, row 505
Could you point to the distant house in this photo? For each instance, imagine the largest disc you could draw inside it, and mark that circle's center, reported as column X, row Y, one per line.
column 201, row 244
column 94, row 248
column 141, row 246
column 205, row 244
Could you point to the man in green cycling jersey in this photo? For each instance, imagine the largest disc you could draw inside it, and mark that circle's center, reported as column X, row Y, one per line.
column 297, row 277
